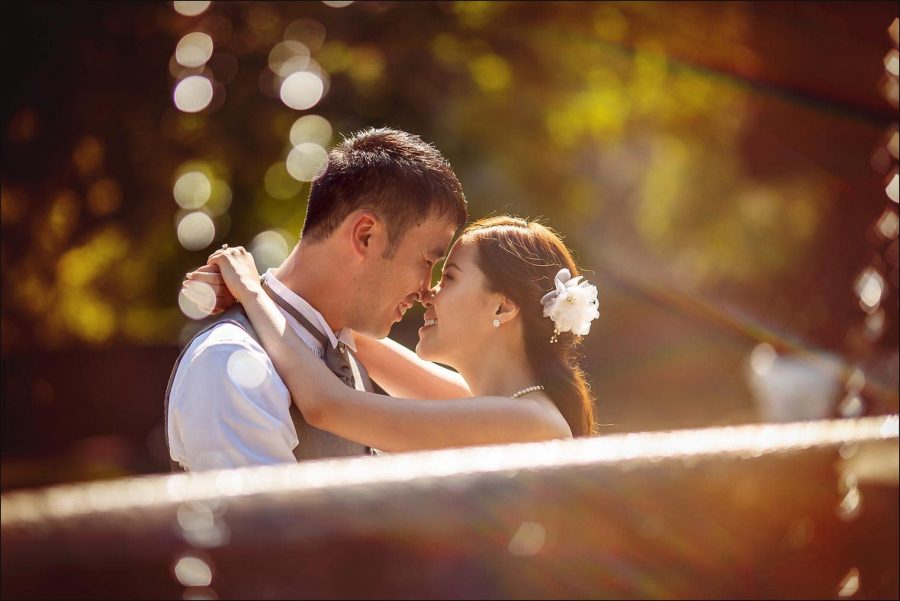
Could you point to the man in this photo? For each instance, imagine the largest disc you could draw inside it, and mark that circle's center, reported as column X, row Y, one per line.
column 380, row 216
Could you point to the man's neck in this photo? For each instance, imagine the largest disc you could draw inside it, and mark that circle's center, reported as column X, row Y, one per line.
column 310, row 274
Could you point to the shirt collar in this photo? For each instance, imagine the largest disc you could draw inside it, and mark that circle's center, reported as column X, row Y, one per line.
column 345, row 335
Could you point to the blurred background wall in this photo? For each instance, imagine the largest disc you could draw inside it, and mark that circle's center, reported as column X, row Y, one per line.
column 726, row 172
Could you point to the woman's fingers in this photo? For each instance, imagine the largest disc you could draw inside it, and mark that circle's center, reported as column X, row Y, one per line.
column 211, row 278
column 234, row 250
column 238, row 270
column 206, row 288
column 207, row 268
column 214, row 254
column 208, row 298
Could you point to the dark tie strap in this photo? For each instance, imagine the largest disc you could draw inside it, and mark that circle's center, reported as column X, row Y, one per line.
column 335, row 357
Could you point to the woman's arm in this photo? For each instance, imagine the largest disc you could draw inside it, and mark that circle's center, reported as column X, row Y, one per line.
column 403, row 374
column 388, row 423
column 398, row 370
column 383, row 422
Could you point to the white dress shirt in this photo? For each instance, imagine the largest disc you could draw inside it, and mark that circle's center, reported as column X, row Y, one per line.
column 228, row 407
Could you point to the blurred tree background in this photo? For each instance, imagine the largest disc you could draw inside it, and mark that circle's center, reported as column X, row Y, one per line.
column 720, row 170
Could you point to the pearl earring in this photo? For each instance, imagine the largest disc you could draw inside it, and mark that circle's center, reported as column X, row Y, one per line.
column 496, row 323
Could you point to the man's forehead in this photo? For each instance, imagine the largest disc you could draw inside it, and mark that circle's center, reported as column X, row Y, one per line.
column 436, row 237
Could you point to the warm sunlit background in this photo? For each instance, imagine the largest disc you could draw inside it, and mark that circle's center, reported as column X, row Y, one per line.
column 726, row 173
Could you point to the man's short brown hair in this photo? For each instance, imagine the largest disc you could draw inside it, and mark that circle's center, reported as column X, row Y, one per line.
column 392, row 173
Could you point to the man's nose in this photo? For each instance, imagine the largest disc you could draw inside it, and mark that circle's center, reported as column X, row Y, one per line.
column 424, row 288
column 426, row 297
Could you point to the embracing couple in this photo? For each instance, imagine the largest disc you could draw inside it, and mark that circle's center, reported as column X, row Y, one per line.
column 285, row 373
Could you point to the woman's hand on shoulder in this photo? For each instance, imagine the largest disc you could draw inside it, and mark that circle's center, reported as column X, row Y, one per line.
column 206, row 288
column 229, row 276
column 238, row 270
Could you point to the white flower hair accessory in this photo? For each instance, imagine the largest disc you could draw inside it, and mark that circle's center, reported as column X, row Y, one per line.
column 572, row 306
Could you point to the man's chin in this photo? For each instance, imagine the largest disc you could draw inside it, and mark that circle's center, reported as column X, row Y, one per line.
column 384, row 330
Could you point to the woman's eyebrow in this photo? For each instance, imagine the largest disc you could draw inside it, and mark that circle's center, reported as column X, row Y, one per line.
column 453, row 265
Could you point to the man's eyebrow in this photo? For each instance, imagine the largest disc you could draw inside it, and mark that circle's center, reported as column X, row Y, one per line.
column 436, row 254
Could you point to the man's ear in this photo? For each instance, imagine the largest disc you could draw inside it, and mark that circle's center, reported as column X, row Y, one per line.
column 365, row 229
column 506, row 310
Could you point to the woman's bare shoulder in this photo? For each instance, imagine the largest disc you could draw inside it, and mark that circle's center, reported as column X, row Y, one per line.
column 545, row 406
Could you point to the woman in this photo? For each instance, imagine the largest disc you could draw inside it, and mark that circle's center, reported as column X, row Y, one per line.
column 506, row 316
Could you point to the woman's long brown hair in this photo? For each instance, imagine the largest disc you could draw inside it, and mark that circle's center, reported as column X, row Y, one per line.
column 520, row 260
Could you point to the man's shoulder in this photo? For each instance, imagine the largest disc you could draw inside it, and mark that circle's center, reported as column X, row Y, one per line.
column 225, row 348
column 222, row 338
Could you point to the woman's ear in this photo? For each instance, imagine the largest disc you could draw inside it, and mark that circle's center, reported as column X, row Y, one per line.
column 506, row 310
column 364, row 230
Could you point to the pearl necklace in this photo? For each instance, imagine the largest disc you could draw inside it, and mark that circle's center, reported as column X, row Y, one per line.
column 525, row 391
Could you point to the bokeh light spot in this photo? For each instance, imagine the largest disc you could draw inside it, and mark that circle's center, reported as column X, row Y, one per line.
column 63, row 214
column 875, row 324
column 246, row 369
column 490, row 72
column 193, row 94
column 279, row 183
column 528, row 539
column 196, row 230
column 199, row 525
column 851, row 406
column 892, row 62
column 309, row 32
column 104, row 196
column 193, row 571
column 88, row 155
column 849, row 585
column 366, row 64
column 311, row 128
column 195, row 516
column 194, row 49
column 288, row 57
column 893, row 188
column 192, row 190
column 888, row 224
column 190, row 8
column 269, row 249
column 869, row 288
column 762, row 358
column 197, row 300
column 219, row 199
column 850, row 505
column 307, row 161
column 302, row 90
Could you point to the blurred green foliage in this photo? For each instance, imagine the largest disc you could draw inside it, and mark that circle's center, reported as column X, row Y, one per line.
column 620, row 122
